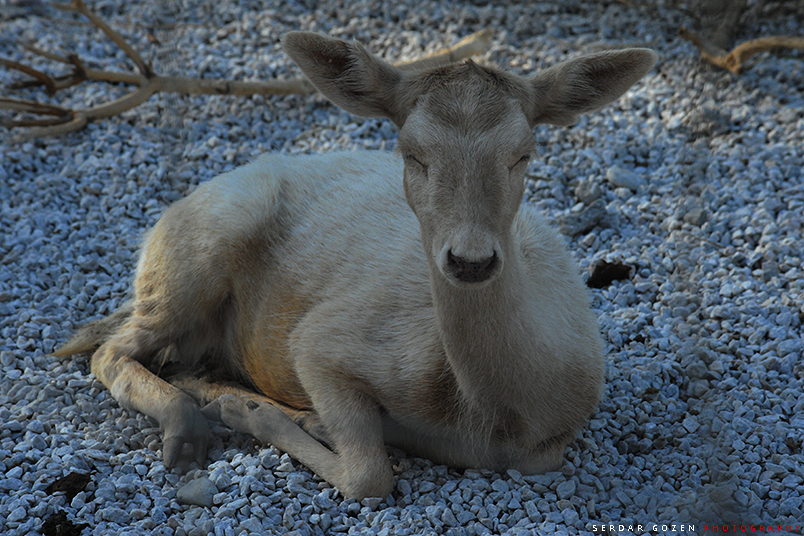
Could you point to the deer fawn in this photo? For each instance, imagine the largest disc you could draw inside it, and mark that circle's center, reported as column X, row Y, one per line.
column 357, row 299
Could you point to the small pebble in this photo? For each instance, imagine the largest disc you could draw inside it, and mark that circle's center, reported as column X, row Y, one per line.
column 622, row 178
column 199, row 492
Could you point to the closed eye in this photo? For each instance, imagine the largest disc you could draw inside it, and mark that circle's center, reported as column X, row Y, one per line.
column 524, row 160
column 410, row 158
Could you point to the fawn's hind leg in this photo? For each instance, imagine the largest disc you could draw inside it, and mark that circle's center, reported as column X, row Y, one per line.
column 137, row 388
column 181, row 310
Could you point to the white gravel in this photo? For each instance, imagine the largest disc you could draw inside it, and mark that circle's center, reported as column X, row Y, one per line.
column 694, row 179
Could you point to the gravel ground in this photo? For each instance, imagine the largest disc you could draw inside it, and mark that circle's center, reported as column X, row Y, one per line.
column 693, row 180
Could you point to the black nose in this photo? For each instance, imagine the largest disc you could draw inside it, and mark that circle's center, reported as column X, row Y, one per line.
column 471, row 271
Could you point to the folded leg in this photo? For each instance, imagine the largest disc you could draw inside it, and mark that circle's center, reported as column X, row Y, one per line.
column 206, row 393
column 358, row 469
column 137, row 388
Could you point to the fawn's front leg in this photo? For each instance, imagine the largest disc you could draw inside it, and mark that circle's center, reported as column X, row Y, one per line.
column 207, row 392
column 359, row 468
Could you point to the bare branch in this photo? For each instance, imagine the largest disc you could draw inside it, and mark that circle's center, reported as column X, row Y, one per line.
column 725, row 14
column 735, row 60
column 41, row 78
column 34, row 107
column 78, row 122
column 147, row 82
column 469, row 46
column 127, row 102
column 201, row 86
column 79, row 7
column 13, row 123
column 45, row 54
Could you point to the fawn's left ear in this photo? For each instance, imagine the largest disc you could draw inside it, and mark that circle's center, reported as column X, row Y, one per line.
column 581, row 85
column 347, row 74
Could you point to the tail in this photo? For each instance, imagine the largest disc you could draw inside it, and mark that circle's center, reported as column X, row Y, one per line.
column 90, row 336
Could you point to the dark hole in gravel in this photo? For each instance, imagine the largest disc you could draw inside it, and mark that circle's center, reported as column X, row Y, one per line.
column 604, row 273
column 58, row 525
column 71, row 484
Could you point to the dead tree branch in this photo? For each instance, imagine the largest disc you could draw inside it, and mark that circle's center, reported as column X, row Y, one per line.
column 469, row 46
column 80, row 7
column 726, row 15
column 735, row 60
column 147, row 82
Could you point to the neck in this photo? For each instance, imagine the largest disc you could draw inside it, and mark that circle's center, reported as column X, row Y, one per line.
column 487, row 333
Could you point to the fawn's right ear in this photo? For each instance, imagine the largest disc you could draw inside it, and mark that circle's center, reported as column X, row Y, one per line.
column 347, row 74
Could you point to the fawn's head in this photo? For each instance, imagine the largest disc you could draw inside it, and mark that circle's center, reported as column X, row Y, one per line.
column 465, row 134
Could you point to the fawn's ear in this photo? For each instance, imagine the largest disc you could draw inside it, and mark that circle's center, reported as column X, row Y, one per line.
column 347, row 74
column 581, row 85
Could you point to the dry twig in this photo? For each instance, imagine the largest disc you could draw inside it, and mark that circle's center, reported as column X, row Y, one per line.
column 734, row 60
column 62, row 120
column 726, row 14
column 469, row 46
